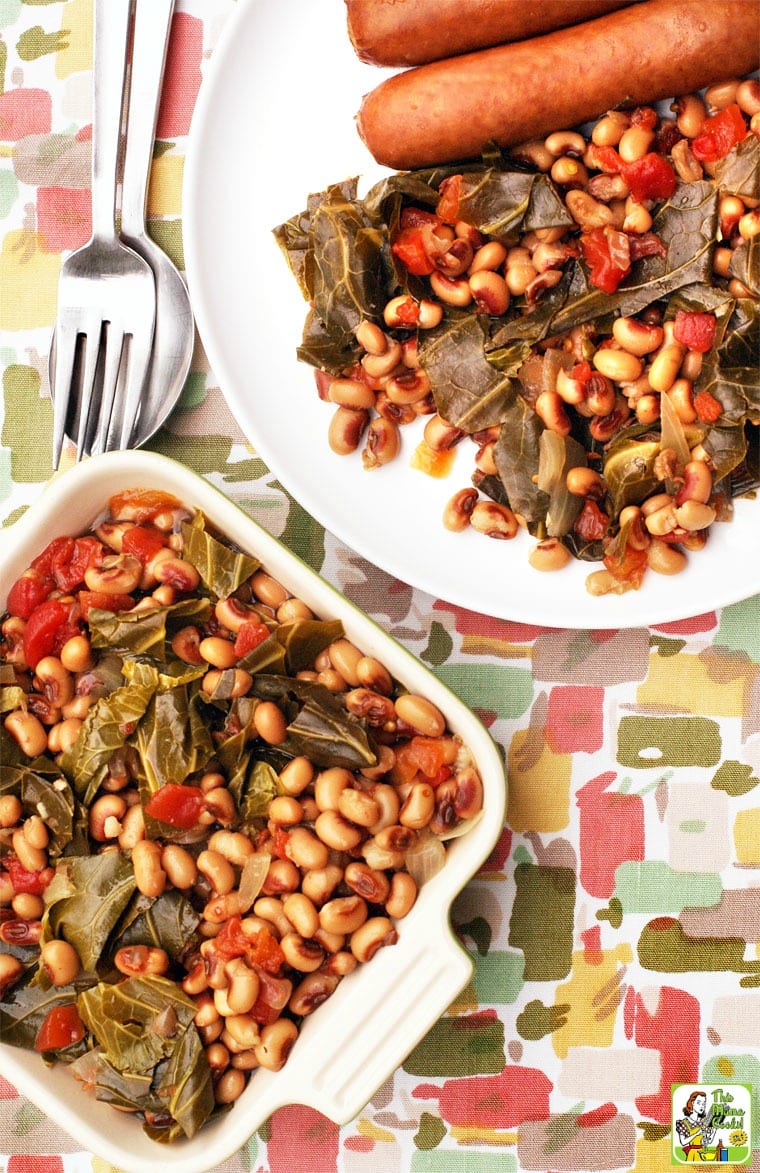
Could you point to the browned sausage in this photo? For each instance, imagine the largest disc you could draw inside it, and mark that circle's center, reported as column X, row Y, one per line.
column 412, row 32
column 448, row 110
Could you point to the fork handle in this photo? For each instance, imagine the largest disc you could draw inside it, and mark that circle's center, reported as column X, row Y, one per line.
column 111, row 27
column 153, row 20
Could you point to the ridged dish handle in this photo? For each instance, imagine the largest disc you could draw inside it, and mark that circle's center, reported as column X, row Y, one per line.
column 366, row 1030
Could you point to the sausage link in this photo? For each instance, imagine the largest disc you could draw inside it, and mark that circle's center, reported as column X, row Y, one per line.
column 448, row 110
column 383, row 32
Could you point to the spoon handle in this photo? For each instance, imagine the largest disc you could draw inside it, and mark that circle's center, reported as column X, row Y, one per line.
column 151, row 37
column 110, row 42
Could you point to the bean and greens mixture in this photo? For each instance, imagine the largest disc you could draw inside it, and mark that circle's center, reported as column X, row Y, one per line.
column 585, row 309
column 213, row 807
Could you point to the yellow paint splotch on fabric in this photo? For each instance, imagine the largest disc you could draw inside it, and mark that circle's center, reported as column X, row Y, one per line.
column 592, row 996
column 747, row 837
column 539, row 785
column 75, row 55
column 165, row 186
column 28, row 280
column 697, row 684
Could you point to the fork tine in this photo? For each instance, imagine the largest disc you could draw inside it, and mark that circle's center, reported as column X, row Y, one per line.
column 91, row 349
column 114, row 348
column 137, row 371
column 65, row 348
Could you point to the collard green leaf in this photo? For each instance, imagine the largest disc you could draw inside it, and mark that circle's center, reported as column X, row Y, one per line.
column 185, row 1087
column 85, row 901
column 24, row 1009
column 172, row 741
column 324, row 348
column 105, row 730
column 319, row 725
column 43, row 790
column 269, row 656
column 168, row 922
column 221, row 568
column 516, row 454
column 304, row 639
column 738, row 173
column 259, row 788
column 143, row 633
column 469, row 391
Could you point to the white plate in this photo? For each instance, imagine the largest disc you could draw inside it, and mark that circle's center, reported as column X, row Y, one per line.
column 274, row 122
column 355, row 1041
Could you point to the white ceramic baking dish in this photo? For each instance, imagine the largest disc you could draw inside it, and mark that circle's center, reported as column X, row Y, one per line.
column 355, row 1041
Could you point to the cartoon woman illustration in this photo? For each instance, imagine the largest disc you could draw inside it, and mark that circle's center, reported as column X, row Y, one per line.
column 694, row 1129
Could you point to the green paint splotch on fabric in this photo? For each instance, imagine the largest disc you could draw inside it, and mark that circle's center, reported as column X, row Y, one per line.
column 537, row 1020
column 542, row 918
column 430, row 1132
column 470, row 1045
column 203, row 454
column 664, row 947
column 463, row 1161
column 439, row 646
column 509, row 690
column 28, row 424
column 736, row 778
column 167, row 234
column 35, row 42
column 650, row 886
column 646, row 742
column 739, row 627
column 498, row 977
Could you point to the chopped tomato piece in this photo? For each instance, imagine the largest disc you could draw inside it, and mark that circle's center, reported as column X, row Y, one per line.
column 250, row 635
column 719, row 134
column 141, row 505
column 28, row 592
column 420, row 755
column 650, row 178
column 450, row 192
column 23, row 880
column 264, row 950
column 629, row 567
column 104, row 601
column 592, row 522
column 645, row 116
column 695, row 329
column 262, row 1013
column 143, row 542
column 408, row 311
column 41, row 630
column 409, row 247
column 179, row 806
column 68, row 565
column 61, row 1027
column 582, row 371
column 605, row 258
column 280, row 843
column 231, row 941
column 707, row 407
column 44, row 560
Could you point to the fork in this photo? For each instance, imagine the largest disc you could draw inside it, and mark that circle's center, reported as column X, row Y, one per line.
column 106, row 294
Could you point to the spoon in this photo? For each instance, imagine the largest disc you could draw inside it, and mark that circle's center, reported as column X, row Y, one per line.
column 174, row 335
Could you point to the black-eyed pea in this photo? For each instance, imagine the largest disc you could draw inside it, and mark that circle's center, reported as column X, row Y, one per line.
column 468, row 800
column 229, row 1086
column 282, row 877
column 54, row 680
column 395, row 838
column 621, row 366
column 386, row 757
column 340, row 964
column 217, row 1057
column 418, row 807
column 277, row 1039
column 285, row 811
column 344, row 657
column 722, row 93
column 490, row 292
column 268, row 589
column 602, row 582
column 311, row 992
column 382, row 858
column 420, row 714
column 270, row 723
column 319, row 883
column 608, row 130
column 388, row 800
column 379, row 366
column 243, row 988
column 118, row 573
column 343, row 914
column 665, row 366
column 60, row 961
column 337, row 832
column 681, row 395
column 226, row 683
column 351, row 393
column 665, row 558
column 697, row 483
column 330, row 942
column 179, row 865
column 519, row 276
column 297, row 775
column 11, row 970
column 306, row 849
column 33, row 859
column 402, row 895
column 302, row 913
column 458, row 511
column 549, row 555
column 36, row 832
column 220, row 806
column 637, row 337
column 661, row 521
column 139, row 960
column 634, row 142
column 63, row 735
column 218, row 651
column 301, row 954
column 637, row 218
column 358, row 806
column 210, row 1034
column 587, row 212
column 490, row 255
column 329, row 784
column 218, row 871
column 375, row 933
column 694, row 515
column 28, row 906
column 11, row 810
column 241, row 1032
column 245, row 1061
column 550, row 409
column 105, row 817
column 369, row 883
column 647, row 408
column 235, row 846
column 270, row 909
column 150, row 876
column 185, row 644
column 132, row 828
column 690, row 112
column 382, row 443
column 370, row 336
column 27, row 731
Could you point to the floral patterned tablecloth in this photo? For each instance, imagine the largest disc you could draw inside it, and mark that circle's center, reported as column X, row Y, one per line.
column 615, row 930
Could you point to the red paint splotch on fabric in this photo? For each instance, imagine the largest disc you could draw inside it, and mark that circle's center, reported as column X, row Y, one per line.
column 22, row 1164
column 575, row 719
column 472, row 623
column 64, row 217
column 317, row 1137
column 7, row 1090
column 182, row 77
column 593, row 953
column 673, row 1030
column 23, row 112
column 505, row 1100
column 611, row 833
column 691, row 626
